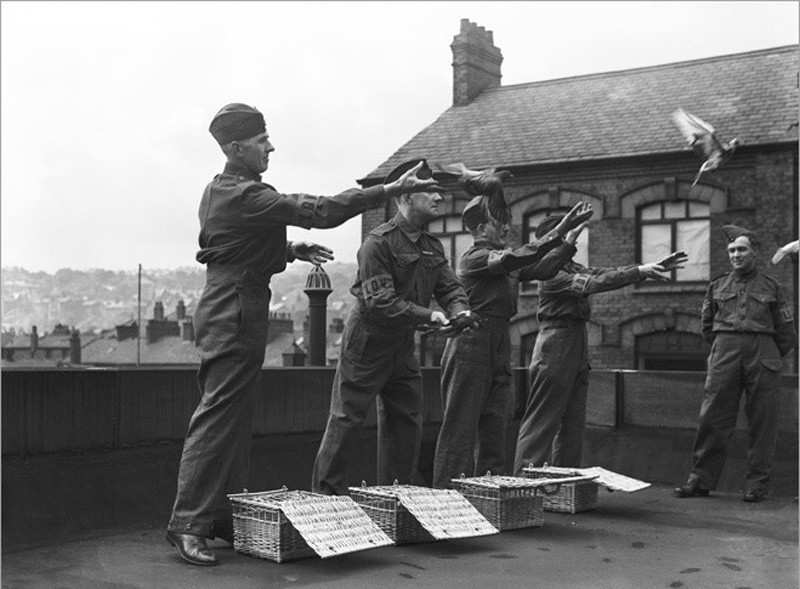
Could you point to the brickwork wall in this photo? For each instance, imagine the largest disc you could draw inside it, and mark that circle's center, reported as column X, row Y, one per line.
column 756, row 190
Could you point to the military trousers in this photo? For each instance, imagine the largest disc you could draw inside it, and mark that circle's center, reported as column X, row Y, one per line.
column 476, row 401
column 375, row 361
column 231, row 334
column 551, row 429
column 738, row 362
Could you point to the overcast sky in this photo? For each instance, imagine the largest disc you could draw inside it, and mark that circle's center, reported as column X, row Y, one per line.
column 106, row 105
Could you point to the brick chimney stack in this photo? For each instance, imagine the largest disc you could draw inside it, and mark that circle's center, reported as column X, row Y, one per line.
column 180, row 310
column 187, row 330
column 75, row 347
column 34, row 340
column 158, row 311
column 476, row 63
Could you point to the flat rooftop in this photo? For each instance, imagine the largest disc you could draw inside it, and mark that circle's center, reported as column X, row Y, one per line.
column 637, row 540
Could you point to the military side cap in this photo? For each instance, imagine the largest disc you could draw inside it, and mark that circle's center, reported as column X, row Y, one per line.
column 734, row 231
column 475, row 213
column 235, row 122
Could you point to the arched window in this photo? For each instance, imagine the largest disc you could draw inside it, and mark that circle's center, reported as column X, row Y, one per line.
column 454, row 237
column 668, row 226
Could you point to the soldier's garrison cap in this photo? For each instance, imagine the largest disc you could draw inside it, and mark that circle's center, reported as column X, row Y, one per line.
column 235, row 122
column 475, row 213
column 734, row 231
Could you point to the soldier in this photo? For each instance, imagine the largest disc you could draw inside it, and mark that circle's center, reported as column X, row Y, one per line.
column 400, row 267
column 749, row 324
column 476, row 367
column 555, row 413
column 243, row 243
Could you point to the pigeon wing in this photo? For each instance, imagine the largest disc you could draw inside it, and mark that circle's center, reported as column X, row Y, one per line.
column 698, row 133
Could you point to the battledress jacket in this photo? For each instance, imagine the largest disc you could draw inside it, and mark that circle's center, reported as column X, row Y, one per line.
column 400, row 268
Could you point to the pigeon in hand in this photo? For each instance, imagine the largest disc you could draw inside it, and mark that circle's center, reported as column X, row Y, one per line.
column 488, row 183
column 701, row 137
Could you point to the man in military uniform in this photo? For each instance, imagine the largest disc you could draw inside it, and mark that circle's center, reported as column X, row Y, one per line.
column 243, row 243
column 476, row 367
column 400, row 268
column 552, row 426
column 749, row 324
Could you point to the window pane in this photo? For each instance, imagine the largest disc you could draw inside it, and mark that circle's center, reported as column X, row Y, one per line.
column 698, row 209
column 453, row 225
column 532, row 222
column 651, row 212
column 436, row 226
column 656, row 242
column 447, row 243
column 693, row 238
column 674, row 210
column 582, row 255
column 463, row 243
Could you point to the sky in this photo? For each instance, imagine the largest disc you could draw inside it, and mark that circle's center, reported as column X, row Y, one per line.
column 105, row 106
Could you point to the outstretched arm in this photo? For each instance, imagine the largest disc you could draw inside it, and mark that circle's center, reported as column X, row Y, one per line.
column 656, row 270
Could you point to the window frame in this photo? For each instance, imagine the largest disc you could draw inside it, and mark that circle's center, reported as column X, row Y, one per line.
column 673, row 225
column 450, row 236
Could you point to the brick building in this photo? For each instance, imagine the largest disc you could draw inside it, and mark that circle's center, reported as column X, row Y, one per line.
column 608, row 138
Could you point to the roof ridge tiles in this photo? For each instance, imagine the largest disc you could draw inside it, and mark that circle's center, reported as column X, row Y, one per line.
column 629, row 71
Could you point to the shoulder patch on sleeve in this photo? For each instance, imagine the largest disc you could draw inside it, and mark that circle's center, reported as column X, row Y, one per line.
column 579, row 281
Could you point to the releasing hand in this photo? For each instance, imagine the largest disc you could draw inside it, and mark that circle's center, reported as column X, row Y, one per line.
column 576, row 217
column 409, row 182
column 572, row 235
column 671, row 262
column 311, row 252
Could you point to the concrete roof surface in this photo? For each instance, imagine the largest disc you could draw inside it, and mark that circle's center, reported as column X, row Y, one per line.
column 639, row 540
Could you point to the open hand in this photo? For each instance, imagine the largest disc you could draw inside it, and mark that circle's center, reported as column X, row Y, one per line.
column 311, row 252
column 577, row 216
column 409, row 182
column 655, row 270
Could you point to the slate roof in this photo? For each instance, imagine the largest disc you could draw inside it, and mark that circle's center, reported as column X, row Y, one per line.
column 752, row 96
column 166, row 350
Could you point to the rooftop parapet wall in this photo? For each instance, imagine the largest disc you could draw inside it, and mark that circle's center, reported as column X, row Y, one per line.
column 60, row 410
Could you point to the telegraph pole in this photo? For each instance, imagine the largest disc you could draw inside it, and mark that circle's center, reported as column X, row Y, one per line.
column 139, row 322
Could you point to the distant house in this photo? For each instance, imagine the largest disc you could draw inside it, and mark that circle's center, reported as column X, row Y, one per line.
column 169, row 340
column 608, row 139
column 59, row 347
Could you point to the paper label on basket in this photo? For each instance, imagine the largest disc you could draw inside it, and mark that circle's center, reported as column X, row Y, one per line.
column 334, row 525
column 445, row 513
column 615, row 481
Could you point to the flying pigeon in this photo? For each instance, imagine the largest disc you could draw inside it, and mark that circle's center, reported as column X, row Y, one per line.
column 790, row 249
column 702, row 139
column 488, row 183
